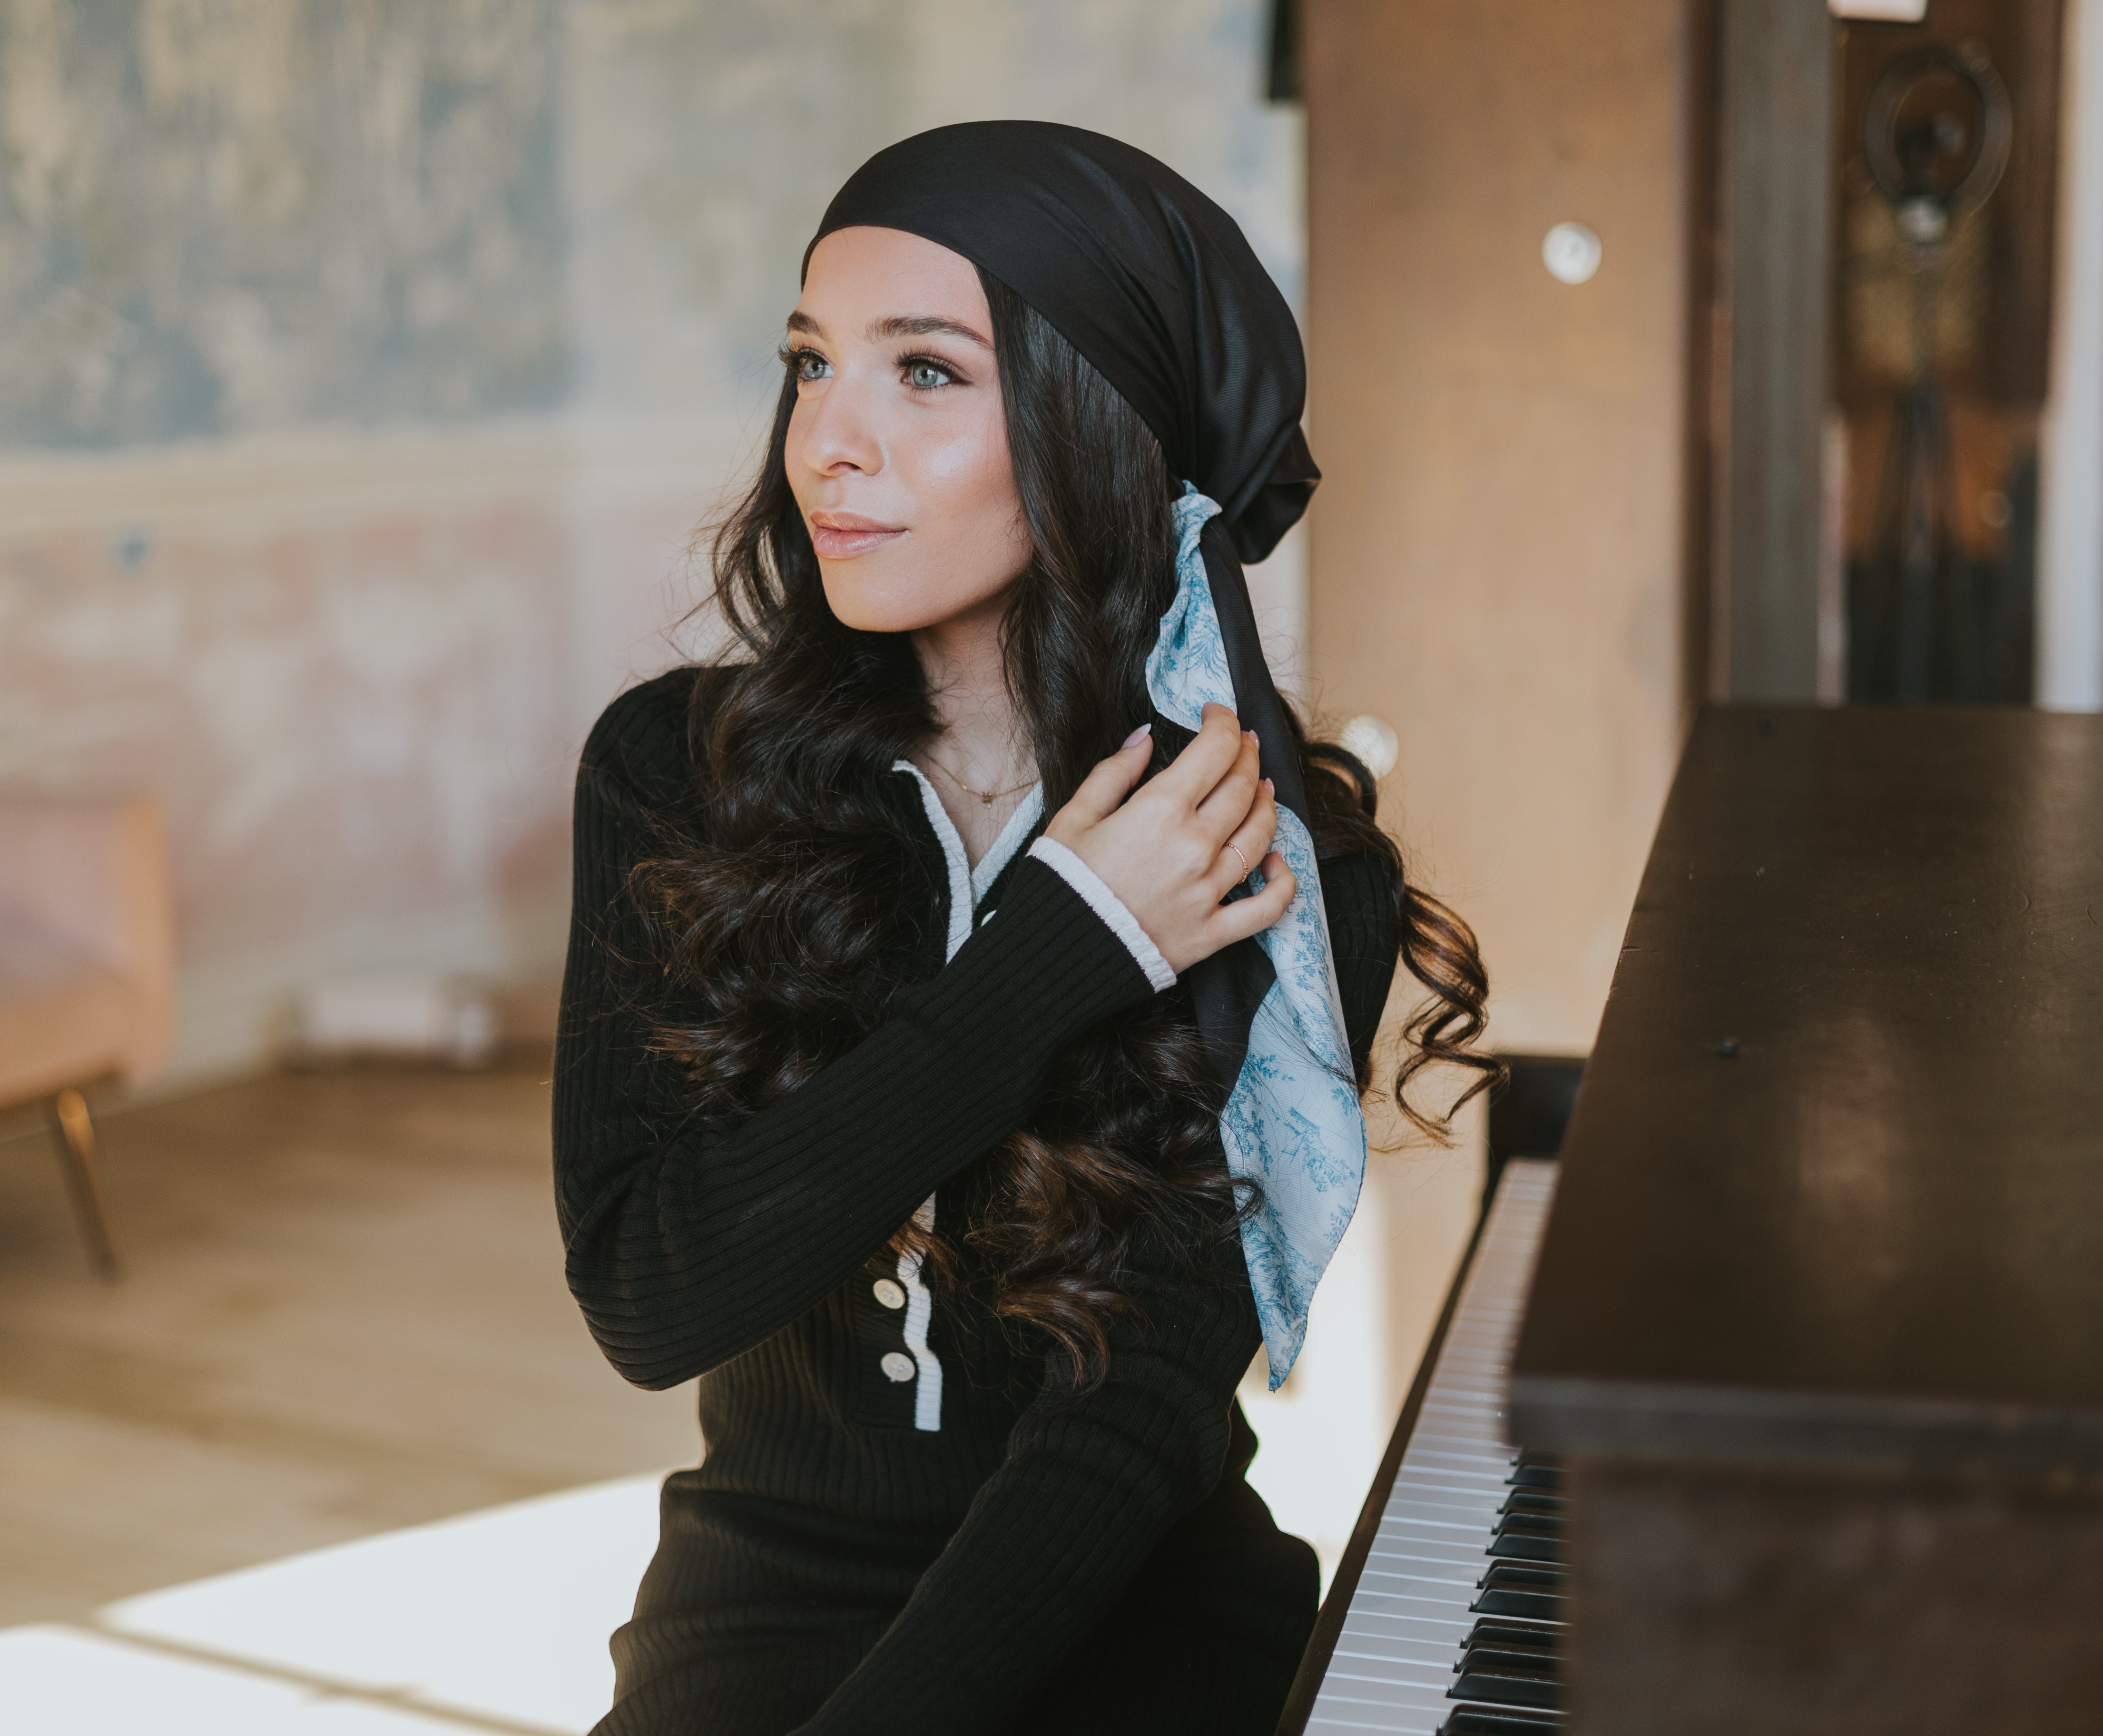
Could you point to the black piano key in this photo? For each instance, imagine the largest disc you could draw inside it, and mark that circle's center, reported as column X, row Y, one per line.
column 1542, row 1606
column 1473, row 1721
column 1532, row 1470
column 1542, row 1643
column 1511, row 1573
column 1517, row 1660
column 1503, row 1684
column 1532, row 1501
column 1507, row 1589
column 1528, row 1536
column 1504, row 1662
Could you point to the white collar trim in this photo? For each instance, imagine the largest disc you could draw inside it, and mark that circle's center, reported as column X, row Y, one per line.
column 1020, row 823
column 967, row 885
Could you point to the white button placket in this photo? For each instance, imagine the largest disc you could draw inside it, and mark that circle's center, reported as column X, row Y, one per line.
column 919, row 1314
column 967, row 885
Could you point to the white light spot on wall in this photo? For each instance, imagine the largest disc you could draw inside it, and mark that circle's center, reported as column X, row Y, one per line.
column 1373, row 739
column 1571, row 252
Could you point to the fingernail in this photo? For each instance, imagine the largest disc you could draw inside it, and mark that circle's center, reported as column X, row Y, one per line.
column 1137, row 736
column 1249, row 735
column 1269, row 787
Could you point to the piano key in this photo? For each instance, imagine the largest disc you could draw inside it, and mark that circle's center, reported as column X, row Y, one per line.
column 1413, row 1635
column 1525, row 1634
column 1508, row 1589
column 1468, row 1721
column 1537, row 1470
column 1505, row 1684
column 1525, row 1537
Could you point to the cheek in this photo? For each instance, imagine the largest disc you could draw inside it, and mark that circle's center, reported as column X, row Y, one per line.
column 792, row 453
column 966, row 482
column 951, row 478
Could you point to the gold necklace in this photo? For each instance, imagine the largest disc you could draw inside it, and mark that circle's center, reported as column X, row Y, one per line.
column 987, row 798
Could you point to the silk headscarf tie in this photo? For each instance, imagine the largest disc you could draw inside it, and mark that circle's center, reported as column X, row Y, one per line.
column 1157, row 288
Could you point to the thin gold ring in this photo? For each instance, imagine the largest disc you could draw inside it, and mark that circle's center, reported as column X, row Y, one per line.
column 1246, row 869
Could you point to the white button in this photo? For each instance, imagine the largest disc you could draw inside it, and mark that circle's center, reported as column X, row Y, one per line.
column 889, row 1292
column 898, row 1366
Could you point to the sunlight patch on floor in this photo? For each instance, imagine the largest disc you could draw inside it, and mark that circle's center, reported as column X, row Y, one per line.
column 494, row 1621
column 68, row 1681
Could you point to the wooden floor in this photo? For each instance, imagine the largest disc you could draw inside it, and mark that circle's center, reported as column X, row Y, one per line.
column 344, row 1312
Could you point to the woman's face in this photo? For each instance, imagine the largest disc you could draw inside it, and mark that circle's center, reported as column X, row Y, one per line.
column 897, row 449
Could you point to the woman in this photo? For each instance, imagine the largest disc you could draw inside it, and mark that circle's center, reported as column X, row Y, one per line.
column 971, row 1226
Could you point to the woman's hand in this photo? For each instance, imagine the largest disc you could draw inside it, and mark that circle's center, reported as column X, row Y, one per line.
column 1170, row 853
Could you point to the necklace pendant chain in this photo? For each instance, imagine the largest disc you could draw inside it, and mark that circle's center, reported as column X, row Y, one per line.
column 987, row 798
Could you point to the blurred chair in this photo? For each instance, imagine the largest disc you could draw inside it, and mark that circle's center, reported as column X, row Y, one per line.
column 86, row 972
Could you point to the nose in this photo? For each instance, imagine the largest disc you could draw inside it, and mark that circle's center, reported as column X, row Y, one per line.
column 833, row 431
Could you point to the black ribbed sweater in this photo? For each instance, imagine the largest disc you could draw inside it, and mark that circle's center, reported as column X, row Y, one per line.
column 829, row 1561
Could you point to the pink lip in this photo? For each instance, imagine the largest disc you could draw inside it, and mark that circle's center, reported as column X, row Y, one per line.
column 842, row 536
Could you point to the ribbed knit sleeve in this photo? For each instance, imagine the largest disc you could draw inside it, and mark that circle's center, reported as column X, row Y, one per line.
column 687, row 1247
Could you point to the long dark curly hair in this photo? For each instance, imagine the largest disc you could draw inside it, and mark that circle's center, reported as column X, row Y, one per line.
column 794, row 899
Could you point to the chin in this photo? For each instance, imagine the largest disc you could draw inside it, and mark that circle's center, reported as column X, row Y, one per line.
column 867, row 605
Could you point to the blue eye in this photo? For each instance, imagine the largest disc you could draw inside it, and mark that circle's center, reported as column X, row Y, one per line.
column 810, row 365
column 924, row 376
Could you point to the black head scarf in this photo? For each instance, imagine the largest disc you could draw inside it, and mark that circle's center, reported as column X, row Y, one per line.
column 1139, row 271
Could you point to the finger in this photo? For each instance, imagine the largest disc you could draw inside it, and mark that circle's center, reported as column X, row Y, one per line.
column 1202, row 764
column 1252, row 839
column 1102, row 792
column 1253, row 915
column 1230, row 799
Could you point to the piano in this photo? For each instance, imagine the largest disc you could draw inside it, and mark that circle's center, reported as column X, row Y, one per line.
column 1776, row 1404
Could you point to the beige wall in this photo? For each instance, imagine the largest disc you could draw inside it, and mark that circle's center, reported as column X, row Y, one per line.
column 1497, row 547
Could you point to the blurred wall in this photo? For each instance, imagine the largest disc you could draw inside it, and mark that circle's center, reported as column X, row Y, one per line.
column 1498, row 547
column 1497, row 544
column 365, row 367
column 281, row 345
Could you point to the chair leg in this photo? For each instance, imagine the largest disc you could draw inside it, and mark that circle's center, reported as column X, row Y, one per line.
column 75, row 1133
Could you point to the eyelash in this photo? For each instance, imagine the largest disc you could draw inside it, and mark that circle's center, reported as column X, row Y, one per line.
column 950, row 376
column 793, row 358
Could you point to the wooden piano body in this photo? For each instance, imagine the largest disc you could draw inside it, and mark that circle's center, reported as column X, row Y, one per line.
column 1809, row 1373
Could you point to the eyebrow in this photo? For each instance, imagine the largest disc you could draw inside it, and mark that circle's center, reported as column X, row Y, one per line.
column 898, row 325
